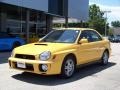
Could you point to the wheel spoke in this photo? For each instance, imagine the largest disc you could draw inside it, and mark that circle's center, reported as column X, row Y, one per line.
column 69, row 67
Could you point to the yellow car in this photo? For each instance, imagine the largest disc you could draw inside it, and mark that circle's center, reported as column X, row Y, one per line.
column 61, row 51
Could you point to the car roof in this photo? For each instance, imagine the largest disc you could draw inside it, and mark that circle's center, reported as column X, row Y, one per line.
column 74, row 29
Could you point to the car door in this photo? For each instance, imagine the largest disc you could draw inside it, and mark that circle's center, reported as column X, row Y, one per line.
column 98, row 42
column 89, row 51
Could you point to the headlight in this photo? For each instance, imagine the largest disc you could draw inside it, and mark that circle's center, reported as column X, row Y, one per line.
column 45, row 55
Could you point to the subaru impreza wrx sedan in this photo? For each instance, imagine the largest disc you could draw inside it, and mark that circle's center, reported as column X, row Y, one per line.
column 61, row 52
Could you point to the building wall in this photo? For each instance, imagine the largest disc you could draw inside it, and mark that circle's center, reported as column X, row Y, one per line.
column 78, row 9
column 32, row 17
column 53, row 6
column 27, row 23
column 33, row 4
column 58, row 7
column 73, row 8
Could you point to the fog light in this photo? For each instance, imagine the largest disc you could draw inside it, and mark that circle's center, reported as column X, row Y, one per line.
column 44, row 67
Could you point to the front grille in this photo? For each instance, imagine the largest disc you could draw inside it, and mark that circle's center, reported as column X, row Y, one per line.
column 28, row 67
column 22, row 56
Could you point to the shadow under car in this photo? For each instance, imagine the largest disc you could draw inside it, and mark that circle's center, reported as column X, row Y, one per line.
column 54, row 80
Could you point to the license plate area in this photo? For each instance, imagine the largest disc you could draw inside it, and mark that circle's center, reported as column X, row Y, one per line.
column 21, row 65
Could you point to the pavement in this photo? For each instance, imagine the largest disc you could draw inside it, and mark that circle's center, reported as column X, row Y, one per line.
column 93, row 77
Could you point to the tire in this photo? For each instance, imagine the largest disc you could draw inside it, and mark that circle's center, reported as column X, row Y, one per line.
column 105, row 58
column 15, row 44
column 68, row 67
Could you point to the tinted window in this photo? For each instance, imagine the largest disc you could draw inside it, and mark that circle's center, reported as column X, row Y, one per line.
column 62, row 36
column 84, row 34
column 92, row 36
column 95, row 36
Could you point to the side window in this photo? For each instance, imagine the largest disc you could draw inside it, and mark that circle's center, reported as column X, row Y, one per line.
column 83, row 35
column 92, row 36
column 86, row 35
column 95, row 36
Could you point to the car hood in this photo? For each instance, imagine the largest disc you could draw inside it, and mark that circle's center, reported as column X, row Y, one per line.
column 37, row 48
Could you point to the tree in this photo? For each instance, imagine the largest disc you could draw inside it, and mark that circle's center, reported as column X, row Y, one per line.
column 115, row 23
column 97, row 20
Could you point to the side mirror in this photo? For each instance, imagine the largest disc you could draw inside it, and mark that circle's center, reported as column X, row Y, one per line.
column 82, row 41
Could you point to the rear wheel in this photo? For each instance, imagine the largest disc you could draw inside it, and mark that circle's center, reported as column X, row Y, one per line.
column 68, row 67
column 105, row 58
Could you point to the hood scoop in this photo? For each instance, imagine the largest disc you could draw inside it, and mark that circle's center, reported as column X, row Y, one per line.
column 40, row 44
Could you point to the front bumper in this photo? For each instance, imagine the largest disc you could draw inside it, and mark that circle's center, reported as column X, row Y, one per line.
column 34, row 66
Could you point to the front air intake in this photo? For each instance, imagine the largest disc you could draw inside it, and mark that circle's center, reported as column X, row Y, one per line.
column 23, row 56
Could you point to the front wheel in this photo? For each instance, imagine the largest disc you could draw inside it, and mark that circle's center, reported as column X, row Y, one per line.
column 68, row 67
column 105, row 58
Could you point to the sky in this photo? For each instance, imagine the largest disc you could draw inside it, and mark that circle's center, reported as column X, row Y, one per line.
column 109, row 5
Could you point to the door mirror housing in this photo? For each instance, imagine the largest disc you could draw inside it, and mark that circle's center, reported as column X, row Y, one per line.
column 82, row 41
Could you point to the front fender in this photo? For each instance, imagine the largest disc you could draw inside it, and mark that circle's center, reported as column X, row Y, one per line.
column 59, row 57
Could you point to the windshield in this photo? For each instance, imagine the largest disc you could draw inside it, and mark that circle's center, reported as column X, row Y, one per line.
column 62, row 36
